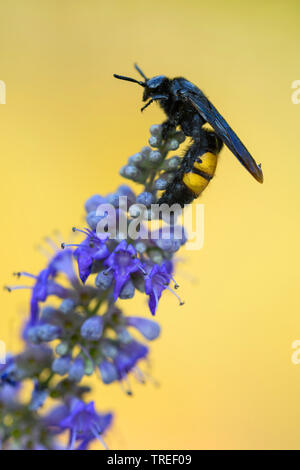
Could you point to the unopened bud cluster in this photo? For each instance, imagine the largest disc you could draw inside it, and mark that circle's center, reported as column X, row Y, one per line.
column 151, row 166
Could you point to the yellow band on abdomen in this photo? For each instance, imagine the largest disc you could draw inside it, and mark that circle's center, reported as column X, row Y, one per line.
column 194, row 181
column 208, row 163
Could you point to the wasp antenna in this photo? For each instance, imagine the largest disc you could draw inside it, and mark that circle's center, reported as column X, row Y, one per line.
column 140, row 71
column 128, row 79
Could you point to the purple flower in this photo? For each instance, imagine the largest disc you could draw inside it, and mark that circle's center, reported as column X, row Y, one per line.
column 122, row 360
column 128, row 356
column 44, row 282
column 90, row 250
column 85, row 424
column 156, row 282
column 123, row 262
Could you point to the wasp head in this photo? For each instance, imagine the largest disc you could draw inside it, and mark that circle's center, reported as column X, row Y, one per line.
column 155, row 88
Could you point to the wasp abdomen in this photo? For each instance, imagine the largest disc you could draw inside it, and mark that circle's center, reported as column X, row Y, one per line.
column 201, row 173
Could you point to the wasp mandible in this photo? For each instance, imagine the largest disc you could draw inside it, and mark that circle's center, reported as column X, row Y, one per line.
column 186, row 106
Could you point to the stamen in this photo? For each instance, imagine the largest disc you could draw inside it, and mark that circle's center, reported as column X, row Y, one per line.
column 11, row 288
column 84, row 231
column 125, row 389
column 107, row 270
column 73, row 439
column 143, row 270
column 152, row 379
column 24, row 273
column 156, row 299
column 64, row 245
column 176, row 286
column 98, row 437
column 161, row 278
column 139, row 375
column 171, row 290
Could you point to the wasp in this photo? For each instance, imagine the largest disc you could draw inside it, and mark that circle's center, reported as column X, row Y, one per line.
column 186, row 107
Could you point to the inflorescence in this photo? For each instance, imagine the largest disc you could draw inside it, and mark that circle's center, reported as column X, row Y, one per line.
column 76, row 329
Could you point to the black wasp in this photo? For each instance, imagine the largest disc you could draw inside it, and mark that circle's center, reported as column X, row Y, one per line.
column 186, row 106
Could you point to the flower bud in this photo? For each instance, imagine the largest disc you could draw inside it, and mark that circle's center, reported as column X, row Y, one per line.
column 133, row 173
column 45, row 332
column 76, row 371
column 145, row 152
column 93, row 202
column 172, row 144
column 67, row 306
column 127, row 291
column 154, row 141
column 156, row 130
column 104, row 279
column 61, row 365
column 155, row 157
column 171, row 163
column 62, row 348
column 48, row 313
column 160, row 184
column 92, row 328
column 109, row 349
column 155, row 255
column 124, row 190
column 93, row 219
column 108, row 372
column 136, row 159
column 140, row 247
column 145, row 198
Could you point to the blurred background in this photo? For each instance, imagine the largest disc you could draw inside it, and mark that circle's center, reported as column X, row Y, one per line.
column 224, row 359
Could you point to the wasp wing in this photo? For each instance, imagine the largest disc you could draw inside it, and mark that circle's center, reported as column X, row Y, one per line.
column 210, row 114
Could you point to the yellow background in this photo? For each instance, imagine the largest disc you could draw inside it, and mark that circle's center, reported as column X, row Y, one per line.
column 224, row 359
